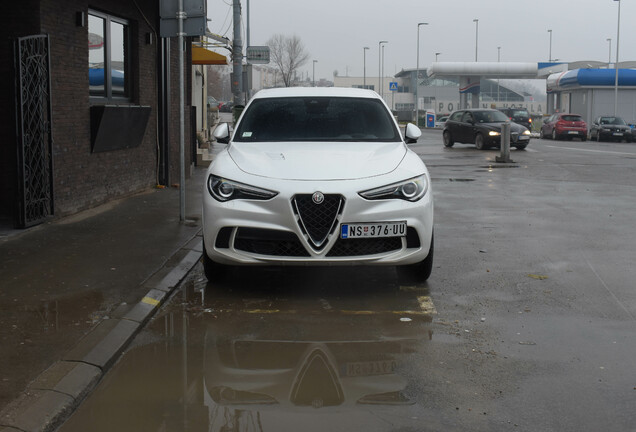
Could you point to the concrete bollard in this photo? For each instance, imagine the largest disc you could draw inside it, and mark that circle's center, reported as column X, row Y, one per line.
column 505, row 144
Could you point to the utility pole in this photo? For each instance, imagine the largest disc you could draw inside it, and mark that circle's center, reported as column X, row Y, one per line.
column 237, row 55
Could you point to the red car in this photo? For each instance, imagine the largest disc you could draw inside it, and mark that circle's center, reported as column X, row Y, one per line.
column 564, row 126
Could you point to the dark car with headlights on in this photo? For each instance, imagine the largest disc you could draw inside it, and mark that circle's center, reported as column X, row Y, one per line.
column 610, row 128
column 518, row 115
column 482, row 127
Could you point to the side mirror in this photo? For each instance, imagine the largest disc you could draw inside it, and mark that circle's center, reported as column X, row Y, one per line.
column 412, row 133
column 545, row 121
column 222, row 133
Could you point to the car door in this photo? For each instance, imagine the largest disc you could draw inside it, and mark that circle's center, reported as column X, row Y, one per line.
column 548, row 125
column 467, row 128
column 454, row 125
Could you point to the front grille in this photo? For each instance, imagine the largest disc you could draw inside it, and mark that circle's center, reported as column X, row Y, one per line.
column 365, row 246
column 269, row 242
column 317, row 220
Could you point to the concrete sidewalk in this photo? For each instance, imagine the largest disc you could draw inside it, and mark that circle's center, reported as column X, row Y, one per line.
column 73, row 293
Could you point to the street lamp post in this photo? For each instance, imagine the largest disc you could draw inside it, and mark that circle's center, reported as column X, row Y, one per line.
column 498, row 60
column 618, row 33
column 436, row 54
column 609, row 56
column 380, row 65
column 550, row 56
column 476, row 21
column 364, row 79
column 417, row 75
column 313, row 77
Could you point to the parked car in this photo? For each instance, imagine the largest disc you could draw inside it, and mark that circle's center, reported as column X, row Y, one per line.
column 518, row 115
column 610, row 128
column 226, row 107
column 317, row 176
column 441, row 120
column 482, row 127
column 564, row 126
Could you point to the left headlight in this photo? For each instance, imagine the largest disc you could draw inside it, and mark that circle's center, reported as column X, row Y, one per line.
column 223, row 189
column 411, row 190
column 494, row 133
column 526, row 132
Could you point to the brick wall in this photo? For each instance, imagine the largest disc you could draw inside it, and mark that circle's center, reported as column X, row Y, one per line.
column 83, row 179
column 16, row 22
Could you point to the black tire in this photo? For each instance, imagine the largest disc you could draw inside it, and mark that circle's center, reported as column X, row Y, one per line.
column 448, row 139
column 214, row 272
column 598, row 137
column 421, row 271
column 541, row 135
column 480, row 143
column 554, row 135
column 583, row 138
column 521, row 146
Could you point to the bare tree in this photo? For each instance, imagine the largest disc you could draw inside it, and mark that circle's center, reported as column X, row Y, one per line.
column 287, row 53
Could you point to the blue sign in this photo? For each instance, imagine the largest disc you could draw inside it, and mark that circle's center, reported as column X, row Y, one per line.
column 393, row 86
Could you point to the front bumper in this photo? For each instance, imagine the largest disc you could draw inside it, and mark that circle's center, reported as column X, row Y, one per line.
column 251, row 232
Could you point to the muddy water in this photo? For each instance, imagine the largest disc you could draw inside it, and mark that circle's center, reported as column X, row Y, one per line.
column 273, row 350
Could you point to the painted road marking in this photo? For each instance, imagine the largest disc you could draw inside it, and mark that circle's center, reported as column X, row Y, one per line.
column 592, row 151
column 150, row 301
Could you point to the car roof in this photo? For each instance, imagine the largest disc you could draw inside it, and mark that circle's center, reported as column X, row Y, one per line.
column 316, row 92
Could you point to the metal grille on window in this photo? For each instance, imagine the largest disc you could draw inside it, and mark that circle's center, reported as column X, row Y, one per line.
column 317, row 221
column 33, row 111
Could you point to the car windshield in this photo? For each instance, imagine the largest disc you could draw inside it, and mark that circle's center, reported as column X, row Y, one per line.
column 490, row 117
column 612, row 121
column 519, row 113
column 316, row 119
column 572, row 118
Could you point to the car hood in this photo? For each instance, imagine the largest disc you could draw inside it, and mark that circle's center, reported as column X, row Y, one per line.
column 514, row 127
column 317, row 160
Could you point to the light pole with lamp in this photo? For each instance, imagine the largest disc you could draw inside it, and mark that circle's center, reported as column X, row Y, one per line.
column 417, row 76
column 313, row 77
column 380, row 65
column 618, row 33
column 498, row 60
column 609, row 57
column 436, row 54
column 550, row 56
column 364, row 79
column 476, row 21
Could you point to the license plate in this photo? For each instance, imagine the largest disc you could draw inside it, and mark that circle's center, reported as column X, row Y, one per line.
column 524, row 138
column 617, row 134
column 573, row 132
column 375, row 230
column 370, row 368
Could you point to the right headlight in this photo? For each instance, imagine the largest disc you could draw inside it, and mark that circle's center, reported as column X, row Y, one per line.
column 410, row 190
column 223, row 189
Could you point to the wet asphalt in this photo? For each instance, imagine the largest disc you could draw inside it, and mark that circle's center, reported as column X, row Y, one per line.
column 527, row 322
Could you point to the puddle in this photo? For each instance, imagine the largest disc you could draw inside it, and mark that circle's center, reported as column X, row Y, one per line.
column 221, row 356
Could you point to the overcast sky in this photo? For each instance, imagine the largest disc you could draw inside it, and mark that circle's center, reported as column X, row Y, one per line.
column 335, row 32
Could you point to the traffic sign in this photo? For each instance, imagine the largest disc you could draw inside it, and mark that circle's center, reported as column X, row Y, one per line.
column 393, row 86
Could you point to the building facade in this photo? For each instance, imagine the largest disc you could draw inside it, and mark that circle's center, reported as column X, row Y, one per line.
column 90, row 100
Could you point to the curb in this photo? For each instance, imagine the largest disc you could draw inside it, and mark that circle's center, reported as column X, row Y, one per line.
column 52, row 397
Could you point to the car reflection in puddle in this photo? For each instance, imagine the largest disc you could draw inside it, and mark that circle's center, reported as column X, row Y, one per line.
column 271, row 359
